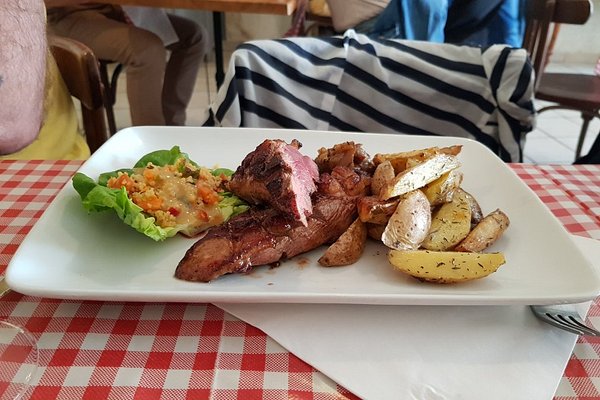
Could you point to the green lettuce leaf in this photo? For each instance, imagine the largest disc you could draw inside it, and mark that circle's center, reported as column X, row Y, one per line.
column 231, row 205
column 222, row 171
column 159, row 158
column 97, row 197
column 163, row 157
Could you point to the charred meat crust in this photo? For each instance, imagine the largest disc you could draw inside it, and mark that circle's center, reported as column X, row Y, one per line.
column 347, row 154
column 261, row 237
column 278, row 175
column 265, row 236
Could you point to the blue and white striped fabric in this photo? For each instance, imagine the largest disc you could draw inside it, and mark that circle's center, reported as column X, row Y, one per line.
column 353, row 83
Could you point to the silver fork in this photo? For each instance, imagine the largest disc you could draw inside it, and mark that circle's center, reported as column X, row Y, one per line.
column 564, row 319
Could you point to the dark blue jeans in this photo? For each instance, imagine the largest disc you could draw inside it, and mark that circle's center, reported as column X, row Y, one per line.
column 473, row 22
column 410, row 19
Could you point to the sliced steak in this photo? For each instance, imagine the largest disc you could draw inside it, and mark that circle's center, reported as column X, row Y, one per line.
column 265, row 236
column 278, row 175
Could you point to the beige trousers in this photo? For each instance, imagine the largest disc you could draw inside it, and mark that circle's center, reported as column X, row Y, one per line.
column 158, row 90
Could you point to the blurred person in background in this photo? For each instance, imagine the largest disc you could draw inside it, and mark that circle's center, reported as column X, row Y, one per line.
column 38, row 117
column 471, row 22
column 159, row 88
column 486, row 22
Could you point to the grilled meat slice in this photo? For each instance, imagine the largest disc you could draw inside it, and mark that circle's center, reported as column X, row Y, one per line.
column 260, row 237
column 265, row 236
column 278, row 175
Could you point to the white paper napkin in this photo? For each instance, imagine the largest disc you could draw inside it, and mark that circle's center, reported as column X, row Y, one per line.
column 424, row 352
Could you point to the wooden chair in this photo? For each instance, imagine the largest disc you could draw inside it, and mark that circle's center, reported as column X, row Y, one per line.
column 79, row 69
column 568, row 91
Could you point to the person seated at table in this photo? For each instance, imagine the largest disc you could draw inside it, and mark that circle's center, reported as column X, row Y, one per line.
column 486, row 22
column 354, row 14
column 478, row 23
column 39, row 120
column 158, row 90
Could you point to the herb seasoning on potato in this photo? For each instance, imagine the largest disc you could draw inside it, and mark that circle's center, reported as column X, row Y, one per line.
column 437, row 232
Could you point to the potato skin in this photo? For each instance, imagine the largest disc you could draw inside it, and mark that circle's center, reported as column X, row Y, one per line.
column 406, row 159
column 383, row 174
column 442, row 189
column 409, row 224
column 485, row 233
column 419, row 175
column 373, row 210
column 348, row 248
column 445, row 266
column 476, row 213
column 375, row 231
column 450, row 224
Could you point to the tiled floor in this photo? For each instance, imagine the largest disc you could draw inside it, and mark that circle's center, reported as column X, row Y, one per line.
column 555, row 137
column 552, row 142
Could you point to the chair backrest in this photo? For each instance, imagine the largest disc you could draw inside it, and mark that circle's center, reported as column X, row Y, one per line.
column 79, row 68
column 354, row 83
column 541, row 15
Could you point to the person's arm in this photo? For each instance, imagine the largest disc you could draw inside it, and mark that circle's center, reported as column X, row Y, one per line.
column 23, row 53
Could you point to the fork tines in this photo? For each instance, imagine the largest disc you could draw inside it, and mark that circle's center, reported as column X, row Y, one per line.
column 566, row 320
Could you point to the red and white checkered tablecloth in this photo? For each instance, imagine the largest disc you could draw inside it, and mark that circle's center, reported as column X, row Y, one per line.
column 101, row 350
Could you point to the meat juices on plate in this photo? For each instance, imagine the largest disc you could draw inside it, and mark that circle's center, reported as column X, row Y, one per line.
column 290, row 226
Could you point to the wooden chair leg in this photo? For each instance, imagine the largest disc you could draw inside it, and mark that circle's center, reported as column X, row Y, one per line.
column 113, row 82
column 587, row 117
column 93, row 121
column 110, row 116
column 593, row 156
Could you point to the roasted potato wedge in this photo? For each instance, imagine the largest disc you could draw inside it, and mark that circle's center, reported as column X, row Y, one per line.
column 419, row 175
column 485, row 232
column 476, row 213
column 450, row 224
column 383, row 174
column 372, row 209
column 445, row 266
column 400, row 160
column 409, row 224
column 375, row 231
column 348, row 248
column 442, row 189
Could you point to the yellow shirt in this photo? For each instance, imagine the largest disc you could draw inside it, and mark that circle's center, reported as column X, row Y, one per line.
column 59, row 137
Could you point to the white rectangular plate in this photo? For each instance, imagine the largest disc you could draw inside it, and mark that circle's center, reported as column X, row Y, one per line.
column 70, row 254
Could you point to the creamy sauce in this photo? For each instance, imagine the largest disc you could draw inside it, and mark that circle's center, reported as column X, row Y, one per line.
column 189, row 200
